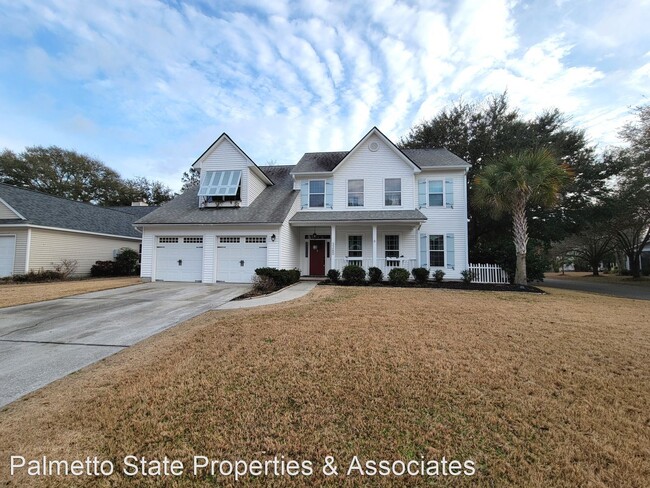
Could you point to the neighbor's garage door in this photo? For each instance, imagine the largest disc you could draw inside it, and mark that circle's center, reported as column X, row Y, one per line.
column 179, row 258
column 7, row 252
column 238, row 257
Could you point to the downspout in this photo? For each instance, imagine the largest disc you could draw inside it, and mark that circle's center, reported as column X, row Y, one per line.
column 28, row 249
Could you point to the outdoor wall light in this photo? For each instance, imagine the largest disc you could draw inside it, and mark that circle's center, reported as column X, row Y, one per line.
column 273, row 238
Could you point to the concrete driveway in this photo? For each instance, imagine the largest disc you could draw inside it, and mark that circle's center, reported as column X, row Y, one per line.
column 42, row 342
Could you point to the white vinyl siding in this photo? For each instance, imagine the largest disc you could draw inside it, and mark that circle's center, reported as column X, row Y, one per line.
column 373, row 167
column 255, row 186
column 448, row 219
column 288, row 240
column 7, row 213
column 225, row 157
column 20, row 249
column 49, row 247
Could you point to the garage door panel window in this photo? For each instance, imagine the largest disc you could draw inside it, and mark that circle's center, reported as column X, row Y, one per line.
column 168, row 240
column 256, row 240
column 193, row 240
column 229, row 240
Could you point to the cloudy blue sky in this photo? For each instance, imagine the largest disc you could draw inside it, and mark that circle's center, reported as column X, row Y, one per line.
column 147, row 85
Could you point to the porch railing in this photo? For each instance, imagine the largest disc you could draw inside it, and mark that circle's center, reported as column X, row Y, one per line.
column 382, row 263
column 488, row 273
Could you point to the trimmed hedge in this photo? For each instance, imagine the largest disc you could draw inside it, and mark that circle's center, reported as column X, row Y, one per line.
column 421, row 275
column 334, row 275
column 125, row 264
column 102, row 269
column 398, row 276
column 354, row 275
column 375, row 275
column 281, row 277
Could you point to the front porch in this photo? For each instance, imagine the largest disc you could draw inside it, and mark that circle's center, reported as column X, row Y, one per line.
column 385, row 246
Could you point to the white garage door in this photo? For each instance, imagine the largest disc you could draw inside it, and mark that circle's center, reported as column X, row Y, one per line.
column 7, row 252
column 238, row 257
column 179, row 258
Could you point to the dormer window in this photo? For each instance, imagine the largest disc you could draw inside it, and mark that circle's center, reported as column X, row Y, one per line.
column 221, row 186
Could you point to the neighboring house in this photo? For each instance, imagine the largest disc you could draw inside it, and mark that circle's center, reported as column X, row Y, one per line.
column 375, row 205
column 38, row 231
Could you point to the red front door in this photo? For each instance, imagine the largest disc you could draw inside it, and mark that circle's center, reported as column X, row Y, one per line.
column 317, row 258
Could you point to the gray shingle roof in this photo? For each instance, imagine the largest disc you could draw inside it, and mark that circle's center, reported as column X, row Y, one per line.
column 271, row 206
column 425, row 158
column 434, row 158
column 319, row 161
column 138, row 212
column 358, row 215
column 50, row 211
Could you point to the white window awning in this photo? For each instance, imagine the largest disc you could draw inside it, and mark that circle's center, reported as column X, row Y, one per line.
column 220, row 183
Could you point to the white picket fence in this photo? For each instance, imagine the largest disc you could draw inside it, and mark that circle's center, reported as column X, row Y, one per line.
column 488, row 273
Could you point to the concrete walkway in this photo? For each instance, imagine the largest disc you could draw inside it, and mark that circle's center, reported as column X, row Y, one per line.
column 620, row 290
column 292, row 292
column 42, row 342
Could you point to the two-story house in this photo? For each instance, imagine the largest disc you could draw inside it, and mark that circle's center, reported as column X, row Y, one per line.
column 375, row 205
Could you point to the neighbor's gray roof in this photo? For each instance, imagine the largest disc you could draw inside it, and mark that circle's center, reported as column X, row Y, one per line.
column 358, row 215
column 424, row 158
column 271, row 206
column 50, row 211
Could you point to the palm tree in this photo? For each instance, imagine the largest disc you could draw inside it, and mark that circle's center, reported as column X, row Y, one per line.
column 510, row 184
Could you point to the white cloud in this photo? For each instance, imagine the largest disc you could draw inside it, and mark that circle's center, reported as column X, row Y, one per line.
column 157, row 82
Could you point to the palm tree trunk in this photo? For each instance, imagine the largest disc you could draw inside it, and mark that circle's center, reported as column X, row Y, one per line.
column 520, row 235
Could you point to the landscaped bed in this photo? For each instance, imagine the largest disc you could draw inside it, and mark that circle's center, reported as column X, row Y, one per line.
column 448, row 285
column 537, row 390
column 21, row 293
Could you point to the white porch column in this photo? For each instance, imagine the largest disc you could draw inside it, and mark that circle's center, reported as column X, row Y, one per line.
column 374, row 245
column 333, row 247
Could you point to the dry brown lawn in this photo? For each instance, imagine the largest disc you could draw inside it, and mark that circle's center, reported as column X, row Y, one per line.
column 538, row 390
column 22, row 293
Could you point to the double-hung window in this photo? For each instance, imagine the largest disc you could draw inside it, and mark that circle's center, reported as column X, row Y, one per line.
column 355, row 193
column 437, row 251
column 316, row 193
column 436, row 193
column 393, row 192
column 391, row 250
column 355, row 250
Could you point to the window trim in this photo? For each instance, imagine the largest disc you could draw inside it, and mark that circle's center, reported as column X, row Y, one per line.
column 444, row 196
column 444, row 251
column 362, row 192
column 401, row 191
column 399, row 250
column 360, row 236
column 309, row 192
